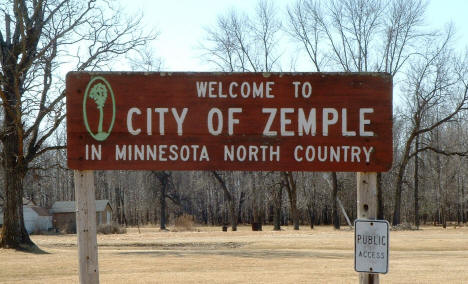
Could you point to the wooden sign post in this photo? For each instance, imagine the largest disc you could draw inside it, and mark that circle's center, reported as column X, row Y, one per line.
column 340, row 122
column 367, row 209
column 86, row 227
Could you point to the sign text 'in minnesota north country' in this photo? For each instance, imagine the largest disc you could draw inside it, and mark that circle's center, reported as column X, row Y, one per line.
column 230, row 121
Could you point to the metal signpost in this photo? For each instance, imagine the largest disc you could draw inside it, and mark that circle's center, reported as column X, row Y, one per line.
column 224, row 121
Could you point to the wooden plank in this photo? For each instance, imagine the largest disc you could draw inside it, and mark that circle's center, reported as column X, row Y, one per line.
column 367, row 209
column 86, row 227
column 213, row 121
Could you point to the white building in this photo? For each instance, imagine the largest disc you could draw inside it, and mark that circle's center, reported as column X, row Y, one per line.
column 36, row 218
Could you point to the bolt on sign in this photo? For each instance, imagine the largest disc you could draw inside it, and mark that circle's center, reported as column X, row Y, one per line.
column 371, row 242
column 229, row 121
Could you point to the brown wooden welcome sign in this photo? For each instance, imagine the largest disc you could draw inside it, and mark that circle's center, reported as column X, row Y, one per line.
column 230, row 121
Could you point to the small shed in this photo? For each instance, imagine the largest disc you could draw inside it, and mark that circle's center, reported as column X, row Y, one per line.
column 36, row 218
column 64, row 217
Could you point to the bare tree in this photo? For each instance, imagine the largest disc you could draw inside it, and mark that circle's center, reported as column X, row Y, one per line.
column 246, row 44
column 437, row 80
column 289, row 183
column 36, row 37
column 277, row 196
column 357, row 35
column 164, row 179
column 230, row 199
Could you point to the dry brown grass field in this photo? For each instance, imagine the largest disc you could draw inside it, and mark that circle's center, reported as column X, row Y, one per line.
column 321, row 255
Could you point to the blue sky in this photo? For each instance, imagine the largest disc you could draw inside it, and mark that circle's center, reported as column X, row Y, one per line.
column 181, row 24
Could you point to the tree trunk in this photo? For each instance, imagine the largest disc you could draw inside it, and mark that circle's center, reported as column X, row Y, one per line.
column 229, row 198
column 257, row 218
column 211, row 216
column 239, row 208
column 277, row 199
column 444, row 210
column 14, row 234
column 416, row 185
column 399, row 179
column 118, row 206
column 460, row 200
column 380, row 201
column 441, row 192
column 292, row 194
column 257, row 211
column 336, row 217
column 162, row 204
column 163, row 178
column 397, row 200
column 233, row 216
column 463, row 201
column 311, row 216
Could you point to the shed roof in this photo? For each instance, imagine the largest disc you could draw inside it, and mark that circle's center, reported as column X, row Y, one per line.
column 28, row 202
column 40, row 210
column 69, row 206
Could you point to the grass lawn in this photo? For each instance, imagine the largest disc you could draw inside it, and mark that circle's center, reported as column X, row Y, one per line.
column 321, row 255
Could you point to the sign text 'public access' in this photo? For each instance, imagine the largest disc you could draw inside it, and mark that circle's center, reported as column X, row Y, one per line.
column 371, row 246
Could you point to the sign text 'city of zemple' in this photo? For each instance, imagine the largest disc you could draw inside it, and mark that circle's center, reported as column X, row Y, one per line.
column 229, row 121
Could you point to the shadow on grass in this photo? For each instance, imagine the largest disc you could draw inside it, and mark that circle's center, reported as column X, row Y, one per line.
column 34, row 249
column 263, row 254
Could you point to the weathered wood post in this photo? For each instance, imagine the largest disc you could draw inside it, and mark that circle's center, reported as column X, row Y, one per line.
column 86, row 227
column 367, row 209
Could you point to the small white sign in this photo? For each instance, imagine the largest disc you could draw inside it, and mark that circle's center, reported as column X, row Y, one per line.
column 371, row 241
